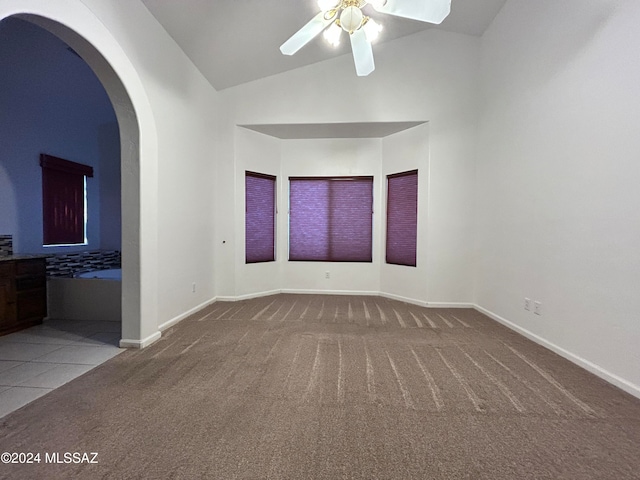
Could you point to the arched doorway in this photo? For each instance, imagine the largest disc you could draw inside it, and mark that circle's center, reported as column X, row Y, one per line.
column 77, row 26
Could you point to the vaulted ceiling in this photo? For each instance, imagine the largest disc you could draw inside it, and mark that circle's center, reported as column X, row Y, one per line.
column 237, row 41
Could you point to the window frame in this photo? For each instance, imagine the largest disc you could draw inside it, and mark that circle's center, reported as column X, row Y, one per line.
column 249, row 173
column 334, row 178
column 56, row 172
column 389, row 178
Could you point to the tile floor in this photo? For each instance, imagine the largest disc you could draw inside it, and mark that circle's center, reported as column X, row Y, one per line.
column 35, row 361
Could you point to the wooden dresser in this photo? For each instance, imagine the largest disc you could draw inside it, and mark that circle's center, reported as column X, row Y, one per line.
column 23, row 293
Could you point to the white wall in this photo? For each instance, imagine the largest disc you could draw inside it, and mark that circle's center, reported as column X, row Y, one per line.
column 558, row 176
column 110, row 187
column 431, row 76
column 185, row 108
column 321, row 158
column 402, row 152
column 257, row 153
column 53, row 103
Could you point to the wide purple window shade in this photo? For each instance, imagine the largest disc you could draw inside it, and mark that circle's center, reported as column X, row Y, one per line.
column 260, row 217
column 63, row 215
column 402, row 218
column 330, row 219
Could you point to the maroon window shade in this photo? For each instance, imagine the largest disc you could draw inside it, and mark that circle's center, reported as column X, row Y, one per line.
column 330, row 219
column 63, row 202
column 402, row 218
column 260, row 217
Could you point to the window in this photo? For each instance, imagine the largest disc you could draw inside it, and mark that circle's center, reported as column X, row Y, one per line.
column 260, row 217
column 64, row 201
column 402, row 218
column 330, row 219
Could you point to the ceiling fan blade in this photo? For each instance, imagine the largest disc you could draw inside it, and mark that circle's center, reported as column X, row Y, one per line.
column 431, row 11
column 307, row 33
column 362, row 53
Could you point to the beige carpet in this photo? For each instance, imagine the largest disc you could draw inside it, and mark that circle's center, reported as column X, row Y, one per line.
column 331, row 387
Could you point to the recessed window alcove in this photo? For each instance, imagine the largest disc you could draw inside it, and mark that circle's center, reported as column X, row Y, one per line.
column 374, row 149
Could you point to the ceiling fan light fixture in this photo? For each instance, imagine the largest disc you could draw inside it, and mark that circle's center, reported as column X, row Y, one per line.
column 372, row 29
column 351, row 19
column 332, row 34
column 337, row 15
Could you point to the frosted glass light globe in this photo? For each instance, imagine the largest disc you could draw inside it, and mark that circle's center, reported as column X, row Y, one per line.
column 350, row 19
column 372, row 29
column 327, row 4
column 332, row 34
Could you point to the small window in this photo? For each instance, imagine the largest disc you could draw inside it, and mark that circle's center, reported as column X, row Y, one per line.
column 260, row 217
column 331, row 219
column 64, row 201
column 402, row 218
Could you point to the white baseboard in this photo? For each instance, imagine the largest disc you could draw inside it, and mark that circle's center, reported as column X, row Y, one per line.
column 449, row 305
column 400, row 298
column 182, row 316
column 328, row 292
column 145, row 342
column 424, row 303
column 248, row 296
column 298, row 291
column 586, row 364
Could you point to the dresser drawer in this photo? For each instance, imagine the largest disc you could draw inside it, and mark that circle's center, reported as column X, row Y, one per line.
column 23, row 294
column 6, row 269
column 31, row 267
column 28, row 283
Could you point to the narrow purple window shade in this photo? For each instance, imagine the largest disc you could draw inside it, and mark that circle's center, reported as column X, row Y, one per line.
column 330, row 219
column 402, row 218
column 63, row 200
column 260, row 217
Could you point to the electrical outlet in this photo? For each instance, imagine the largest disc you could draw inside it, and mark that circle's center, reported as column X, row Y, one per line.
column 193, row 287
column 537, row 308
column 527, row 303
column 327, row 275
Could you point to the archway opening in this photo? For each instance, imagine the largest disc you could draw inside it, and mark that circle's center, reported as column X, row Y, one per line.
column 129, row 148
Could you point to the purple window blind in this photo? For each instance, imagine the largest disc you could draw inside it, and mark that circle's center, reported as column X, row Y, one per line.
column 402, row 218
column 63, row 200
column 330, row 219
column 260, row 217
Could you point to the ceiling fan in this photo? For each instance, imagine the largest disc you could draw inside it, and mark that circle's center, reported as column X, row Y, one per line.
column 339, row 15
